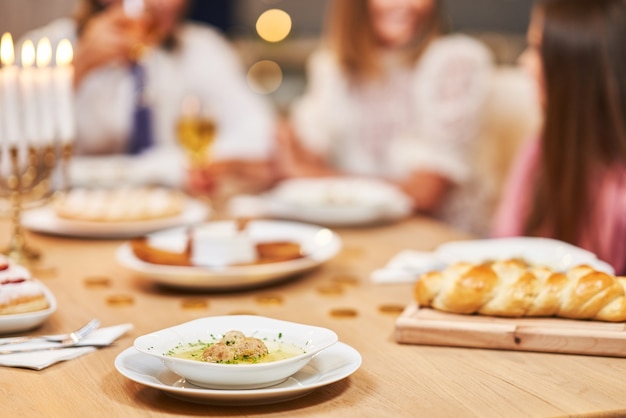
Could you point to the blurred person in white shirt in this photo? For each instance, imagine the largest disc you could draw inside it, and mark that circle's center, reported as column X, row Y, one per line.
column 179, row 59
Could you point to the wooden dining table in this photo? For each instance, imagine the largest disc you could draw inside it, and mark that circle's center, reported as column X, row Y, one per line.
column 394, row 380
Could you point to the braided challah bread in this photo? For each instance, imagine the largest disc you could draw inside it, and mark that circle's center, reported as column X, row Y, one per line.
column 511, row 288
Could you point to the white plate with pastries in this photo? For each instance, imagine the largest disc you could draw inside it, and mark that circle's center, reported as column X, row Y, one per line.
column 277, row 250
column 338, row 201
column 29, row 320
column 115, row 213
column 25, row 302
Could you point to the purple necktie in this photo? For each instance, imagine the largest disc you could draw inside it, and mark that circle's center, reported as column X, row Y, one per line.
column 141, row 131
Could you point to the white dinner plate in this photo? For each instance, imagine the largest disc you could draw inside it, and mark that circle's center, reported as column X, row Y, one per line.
column 331, row 365
column 30, row 320
column 343, row 201
column 45, row 220
column 318, row 244
column 557, row 255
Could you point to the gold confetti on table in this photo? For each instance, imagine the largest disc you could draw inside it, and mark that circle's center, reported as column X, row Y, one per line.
column 270, row 299
column 97, row 281
column 194, row 304
column 343, row 313
column 391, row 308
column 330, row 290
column 120, row 300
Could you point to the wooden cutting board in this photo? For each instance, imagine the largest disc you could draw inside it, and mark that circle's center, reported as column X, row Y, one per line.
column 430, row 327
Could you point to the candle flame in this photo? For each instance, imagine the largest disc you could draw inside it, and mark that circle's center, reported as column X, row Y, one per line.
column 7, row 54
column 44, row 52
column 28, row 53
column 65, row 54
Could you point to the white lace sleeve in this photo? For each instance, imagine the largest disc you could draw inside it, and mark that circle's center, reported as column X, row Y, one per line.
column 451, row 84
column 314, row 114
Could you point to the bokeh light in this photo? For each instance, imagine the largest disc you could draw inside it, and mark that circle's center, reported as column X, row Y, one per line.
column 273, row 25
column 265, row 77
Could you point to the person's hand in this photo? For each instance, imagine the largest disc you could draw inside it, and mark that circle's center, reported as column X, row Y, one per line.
column 426, row 189
column 249, row 175
column 200, row 181
column 108, row 37
column 291, row 159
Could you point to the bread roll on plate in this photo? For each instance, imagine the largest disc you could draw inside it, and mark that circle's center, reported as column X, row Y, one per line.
column 512, row 288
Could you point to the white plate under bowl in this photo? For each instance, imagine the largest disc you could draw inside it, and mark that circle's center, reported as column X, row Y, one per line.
column 557, row 255
column 278, row 335
column 29, row 320
column 338, row 201
column 329, row 366
column 45, row 220
column 319, row 245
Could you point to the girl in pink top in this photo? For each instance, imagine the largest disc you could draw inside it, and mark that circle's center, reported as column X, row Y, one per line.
column 571, row 184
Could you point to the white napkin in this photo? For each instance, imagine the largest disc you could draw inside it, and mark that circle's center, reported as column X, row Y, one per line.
column 41, row 359
column 407, row 266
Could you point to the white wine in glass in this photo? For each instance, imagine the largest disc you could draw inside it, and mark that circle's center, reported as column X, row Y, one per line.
column 196, row 132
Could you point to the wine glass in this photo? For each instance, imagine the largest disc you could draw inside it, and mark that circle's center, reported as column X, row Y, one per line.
column 196, row 132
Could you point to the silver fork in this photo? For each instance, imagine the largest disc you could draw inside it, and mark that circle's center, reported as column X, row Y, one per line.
column 71, row 338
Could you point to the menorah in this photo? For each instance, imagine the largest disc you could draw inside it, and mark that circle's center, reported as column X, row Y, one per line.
column 36, row 132
column 27, row 180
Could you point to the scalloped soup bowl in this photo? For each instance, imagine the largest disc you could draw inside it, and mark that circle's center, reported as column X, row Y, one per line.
column 290, row 345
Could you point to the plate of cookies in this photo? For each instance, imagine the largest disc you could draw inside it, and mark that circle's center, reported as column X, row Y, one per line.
column 226, row 255
column 25, row 302
column 121, row 212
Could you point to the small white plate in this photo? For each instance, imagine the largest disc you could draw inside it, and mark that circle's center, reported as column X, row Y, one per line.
column 319, row 245
column 303, row 340
column 557, row 255
column 44, row 220
column 340, row 201
column 30, row 320
column 329, row 366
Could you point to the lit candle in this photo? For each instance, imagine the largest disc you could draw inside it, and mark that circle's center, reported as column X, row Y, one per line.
column 27, row 90
column 62, row 76
column 44, row 91
column 10, row 99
